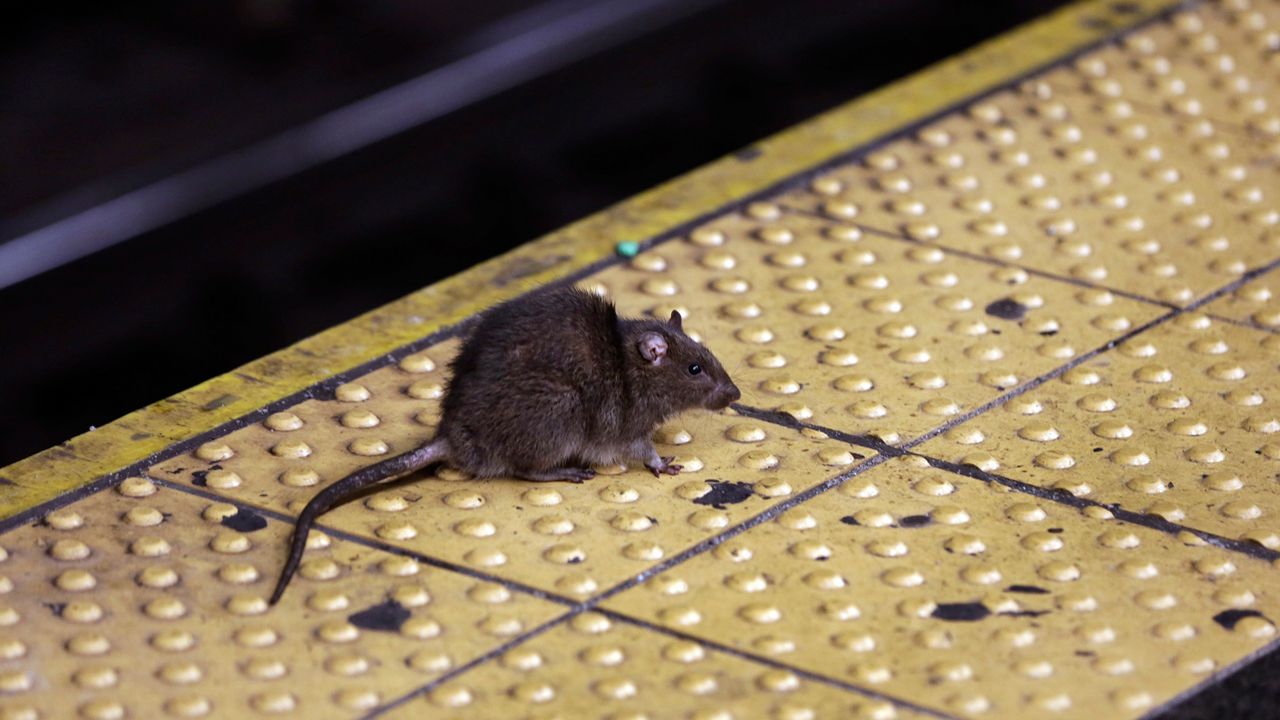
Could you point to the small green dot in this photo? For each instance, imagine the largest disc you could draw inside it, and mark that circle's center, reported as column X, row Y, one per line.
column 628, row 248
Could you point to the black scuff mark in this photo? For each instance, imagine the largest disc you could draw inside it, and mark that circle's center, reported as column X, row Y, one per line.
column 1028, row 589
column 244, row 520
column 198, row 478
column 1007, row 309
column 1229, row 618
column 218, row 402
column 975, row 611
column 57, row 608
column 523, row 267
column 914, row 521
column 849, row 520
column 726, row 493
column 388, row 617
column 960, row 612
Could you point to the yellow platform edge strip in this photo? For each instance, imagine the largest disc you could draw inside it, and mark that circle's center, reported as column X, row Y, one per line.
column 142, row 434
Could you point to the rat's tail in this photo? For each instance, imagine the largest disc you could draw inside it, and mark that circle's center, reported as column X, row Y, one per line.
column 332, row 496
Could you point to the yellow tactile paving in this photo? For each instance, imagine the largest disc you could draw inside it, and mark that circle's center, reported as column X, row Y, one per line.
column 926, row 585
column 1212, row 62
column 1182, row 421
column 1058, row 559
column 1096, row 190
column 147, row 602
column 598, row 668
column 863, row 333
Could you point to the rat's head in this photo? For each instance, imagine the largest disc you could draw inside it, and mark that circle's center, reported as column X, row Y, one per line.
column 687, row 372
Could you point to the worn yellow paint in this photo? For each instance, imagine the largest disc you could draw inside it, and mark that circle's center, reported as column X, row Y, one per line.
column 136, row 436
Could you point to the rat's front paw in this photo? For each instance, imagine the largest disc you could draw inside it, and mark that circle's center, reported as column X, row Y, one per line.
column 664, row 466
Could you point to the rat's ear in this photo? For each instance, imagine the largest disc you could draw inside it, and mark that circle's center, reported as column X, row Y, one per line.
column 652, row 347
column 677, row 320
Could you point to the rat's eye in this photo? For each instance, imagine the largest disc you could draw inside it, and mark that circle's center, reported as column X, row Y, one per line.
column 695, row 368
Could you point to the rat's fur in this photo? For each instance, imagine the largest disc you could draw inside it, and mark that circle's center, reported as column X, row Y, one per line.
column 546, row 386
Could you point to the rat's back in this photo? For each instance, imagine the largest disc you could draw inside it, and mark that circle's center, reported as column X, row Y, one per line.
column 532, row 382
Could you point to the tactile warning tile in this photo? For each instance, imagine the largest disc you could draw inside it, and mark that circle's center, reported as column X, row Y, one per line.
column 593, row 667
column 1096, row 190
column 148, row 602
column 1182, row 421
column 571, row 539
column 1215, row 61
column 863, row 333
column 927, row 585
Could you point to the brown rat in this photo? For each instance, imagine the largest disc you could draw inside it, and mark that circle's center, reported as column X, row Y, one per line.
column 543, row 388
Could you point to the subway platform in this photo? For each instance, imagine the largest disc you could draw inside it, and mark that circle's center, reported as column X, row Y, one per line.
column 1008, row 447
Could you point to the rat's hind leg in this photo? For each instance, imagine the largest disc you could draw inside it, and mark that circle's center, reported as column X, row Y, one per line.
column 569, row 474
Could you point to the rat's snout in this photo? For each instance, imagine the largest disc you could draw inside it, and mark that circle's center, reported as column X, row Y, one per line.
column 724, row 395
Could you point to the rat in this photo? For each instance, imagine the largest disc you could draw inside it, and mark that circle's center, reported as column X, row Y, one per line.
column 544, row 387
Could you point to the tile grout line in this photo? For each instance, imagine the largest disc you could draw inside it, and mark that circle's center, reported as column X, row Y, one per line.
column 374, row 544
column 1213, row 680
column 1062, row 497
column 969, row 255
column 723, row 536
column 810, row 675
column 1244, row 323
column 466, row 667
column 1191, row 307
column 1044, row 274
